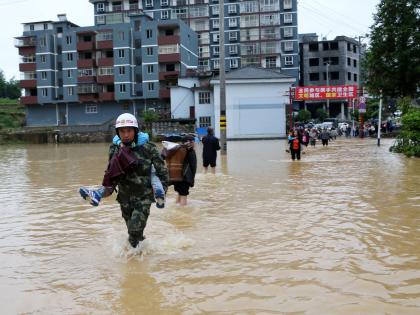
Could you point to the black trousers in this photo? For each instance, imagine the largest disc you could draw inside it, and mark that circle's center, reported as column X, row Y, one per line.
column 295, row 154
column 324, row 142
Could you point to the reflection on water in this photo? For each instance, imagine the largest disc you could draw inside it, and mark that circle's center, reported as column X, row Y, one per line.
column 335, row 233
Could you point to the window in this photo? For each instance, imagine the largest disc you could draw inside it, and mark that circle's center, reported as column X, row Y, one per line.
column 288, row 46
column 233, row 49
column 354, row 49
column 151, row 86
column 122, row 88
column 43, row 58
column 45, row 92
column 288, row 32
column 69, row 57
column 216, row 37
column 216, row 51
column 215, row 23
column 270, row 19
column 233, row 63
column 149, row 51
column 287, row 4
column 205, row 121
column 86, row 72
column 270, row 62
column 249, row 20
column 233, row 22
column 121, row 70
column 121, row 35
column 288, row 18
column 349, row 76
column 335, row 75
column 168, row 49
column 149, row 33
column 149, row 3
column 106, row 71
column 44, row 75
column 149, row 68
column 100, row 8
column 215, row 10
column 216, row 64
column 355, row 77
column 70, row 91
column 204, row 98
column 42, row 42
column 91, row 109
column 313, row 47
column 313, row 62
column 348, row 61
column 348, row 47
column 233, row 36
column 69, row 74
column 314, row 76
column 269, row 5
column 121, row 53
column 164, row 15
column 31, row 27
column 355, row 63
column 68, row 40
column 45, row 26
column 164, row 3
column 248, row 7
column 288, row 60
column 232, row 9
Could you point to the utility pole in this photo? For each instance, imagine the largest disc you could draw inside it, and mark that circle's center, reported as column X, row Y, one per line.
column 222, row 80
column 380, row 120
column 328, row 83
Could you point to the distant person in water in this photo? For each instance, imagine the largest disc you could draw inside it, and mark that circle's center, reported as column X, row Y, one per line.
column 210, row 147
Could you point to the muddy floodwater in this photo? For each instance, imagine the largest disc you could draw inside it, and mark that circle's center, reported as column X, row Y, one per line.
column 335, row 233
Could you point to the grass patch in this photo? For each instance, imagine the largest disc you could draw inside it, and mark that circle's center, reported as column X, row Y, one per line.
column 12, row 114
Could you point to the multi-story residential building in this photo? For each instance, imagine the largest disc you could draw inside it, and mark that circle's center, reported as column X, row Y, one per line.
column 329, row 62
column 88, row 75
column 260, row 33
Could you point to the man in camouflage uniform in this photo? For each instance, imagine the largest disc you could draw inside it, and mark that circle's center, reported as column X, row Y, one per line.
column 135, row 193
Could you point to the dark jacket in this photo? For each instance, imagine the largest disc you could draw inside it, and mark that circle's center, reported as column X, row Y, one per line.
column 190, row 166
column 210, row 147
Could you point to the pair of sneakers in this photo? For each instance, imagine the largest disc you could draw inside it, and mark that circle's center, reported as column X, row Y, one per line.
column 91, row 196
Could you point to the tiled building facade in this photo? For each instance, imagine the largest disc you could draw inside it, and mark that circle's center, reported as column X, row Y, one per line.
column 259, row 33
column 87, row 75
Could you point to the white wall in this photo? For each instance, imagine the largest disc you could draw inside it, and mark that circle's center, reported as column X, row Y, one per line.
column 253, row 110
column 182, row 97
column 204, row 110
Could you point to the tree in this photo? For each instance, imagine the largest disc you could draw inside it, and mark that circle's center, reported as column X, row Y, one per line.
column 9, row 89
column 393, row 59
column 304, row 115
column 321, row 114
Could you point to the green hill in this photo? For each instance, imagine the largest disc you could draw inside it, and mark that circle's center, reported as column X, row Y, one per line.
column 12, row 114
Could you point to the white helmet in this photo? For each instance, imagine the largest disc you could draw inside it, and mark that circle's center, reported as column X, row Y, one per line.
column 126, row 120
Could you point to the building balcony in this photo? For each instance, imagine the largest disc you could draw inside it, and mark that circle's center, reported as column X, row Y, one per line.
column 104, row 44
column 27, row 51
column 27, row 84
column 85, row 46
column 24, row 67
column 168, row 40
column 168, row 74
column 29, row 100
column 29, row 41
column 88, row 98
column 106, row 96
column 105, row 79
column 170, row 58
column 86, row 79
column 86, row 63
column 165, row 93
column 105, row 62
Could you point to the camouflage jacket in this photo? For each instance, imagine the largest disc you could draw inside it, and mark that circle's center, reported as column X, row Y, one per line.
column 137, row 184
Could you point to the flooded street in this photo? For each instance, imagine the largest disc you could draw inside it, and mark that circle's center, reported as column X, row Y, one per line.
column 335, row 233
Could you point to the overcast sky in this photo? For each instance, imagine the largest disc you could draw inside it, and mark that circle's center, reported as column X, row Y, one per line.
column 328, row 18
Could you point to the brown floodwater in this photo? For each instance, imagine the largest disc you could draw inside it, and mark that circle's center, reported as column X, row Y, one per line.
column 335, row 233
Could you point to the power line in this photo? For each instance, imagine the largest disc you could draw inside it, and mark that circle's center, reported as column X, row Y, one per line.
column 331, row 20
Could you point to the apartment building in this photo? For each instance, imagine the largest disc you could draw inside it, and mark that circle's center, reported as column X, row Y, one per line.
column 257, row 33
column 329, row 62
column 75, row 75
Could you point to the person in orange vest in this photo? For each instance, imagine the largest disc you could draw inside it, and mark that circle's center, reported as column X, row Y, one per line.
column 295, row 145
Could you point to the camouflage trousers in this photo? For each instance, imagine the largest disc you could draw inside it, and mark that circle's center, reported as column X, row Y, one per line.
column 135, row 213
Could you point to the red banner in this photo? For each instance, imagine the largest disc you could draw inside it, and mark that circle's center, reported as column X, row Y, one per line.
column 303, row 93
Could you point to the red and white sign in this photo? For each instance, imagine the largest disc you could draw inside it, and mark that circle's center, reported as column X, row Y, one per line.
column 303, row 93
